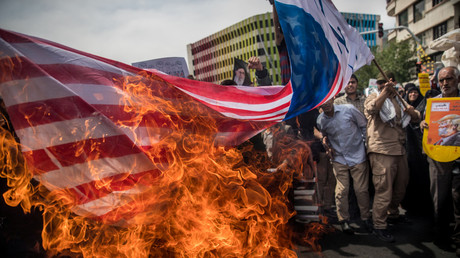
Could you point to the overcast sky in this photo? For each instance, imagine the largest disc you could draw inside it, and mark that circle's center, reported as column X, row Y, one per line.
column 136, row 30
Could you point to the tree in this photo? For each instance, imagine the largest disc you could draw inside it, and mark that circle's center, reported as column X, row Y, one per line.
column 397, row 57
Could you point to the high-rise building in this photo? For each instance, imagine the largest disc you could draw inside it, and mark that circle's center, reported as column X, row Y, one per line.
column 427, row 19
column 211, row 58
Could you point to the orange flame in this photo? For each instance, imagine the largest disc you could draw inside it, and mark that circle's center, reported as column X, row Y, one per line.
column 206, row 202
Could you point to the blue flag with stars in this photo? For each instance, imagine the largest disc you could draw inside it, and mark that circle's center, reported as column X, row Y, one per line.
column 323, row 48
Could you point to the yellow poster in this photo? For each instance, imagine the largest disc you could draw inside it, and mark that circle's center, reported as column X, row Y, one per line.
column 424, row 81
column 441, row 141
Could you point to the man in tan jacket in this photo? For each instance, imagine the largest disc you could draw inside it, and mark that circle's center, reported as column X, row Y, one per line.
column 387, row 116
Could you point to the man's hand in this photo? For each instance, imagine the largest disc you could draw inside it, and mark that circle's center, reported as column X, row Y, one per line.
column 254, row 63
column 413, row 114
column 329, row 150
column 410, row 110
column 423, row 125
column 389, row 90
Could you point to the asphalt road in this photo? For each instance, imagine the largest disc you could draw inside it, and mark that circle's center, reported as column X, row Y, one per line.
column 412, row 240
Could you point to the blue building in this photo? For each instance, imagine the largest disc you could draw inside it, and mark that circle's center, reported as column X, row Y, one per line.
column 365, row 22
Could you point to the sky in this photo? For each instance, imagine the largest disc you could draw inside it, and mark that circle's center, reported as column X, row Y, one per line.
column 137, row 30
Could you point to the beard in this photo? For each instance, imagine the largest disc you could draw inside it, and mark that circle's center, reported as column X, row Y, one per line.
column 239, row 81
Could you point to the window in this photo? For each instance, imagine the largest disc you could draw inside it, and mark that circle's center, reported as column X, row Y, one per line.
column 419, row 8
column 435, row 2
column 439, row 30
column 422, row 37
column 260, row 52
column 403, row 18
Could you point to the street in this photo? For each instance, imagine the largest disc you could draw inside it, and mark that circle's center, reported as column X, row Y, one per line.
column 412, row 240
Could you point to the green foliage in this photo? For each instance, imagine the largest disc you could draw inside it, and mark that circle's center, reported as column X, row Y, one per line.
column 397, row 57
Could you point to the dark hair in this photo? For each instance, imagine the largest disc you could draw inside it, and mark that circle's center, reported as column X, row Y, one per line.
column 409, row 85
column 228, row 82
column 432, row 93
column 354, row 77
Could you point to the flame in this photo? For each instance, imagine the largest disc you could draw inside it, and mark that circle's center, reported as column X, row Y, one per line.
column 204, row 201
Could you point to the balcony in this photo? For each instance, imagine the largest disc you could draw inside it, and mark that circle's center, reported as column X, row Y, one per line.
column 391, row 7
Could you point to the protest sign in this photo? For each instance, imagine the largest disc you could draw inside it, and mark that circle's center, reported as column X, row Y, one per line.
column 424, row 82
column 175, row 66
column 441, row 141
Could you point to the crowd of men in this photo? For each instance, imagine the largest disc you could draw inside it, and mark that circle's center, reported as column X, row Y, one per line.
column 368, row 153
column 368, row 143
column 369, row 157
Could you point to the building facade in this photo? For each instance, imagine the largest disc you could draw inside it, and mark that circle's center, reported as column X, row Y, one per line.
column 427, row 19
column 363, row 22
column 211, row 58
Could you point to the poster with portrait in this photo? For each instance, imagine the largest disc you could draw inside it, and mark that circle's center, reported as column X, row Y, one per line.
column 441, row 141
column 241, row 73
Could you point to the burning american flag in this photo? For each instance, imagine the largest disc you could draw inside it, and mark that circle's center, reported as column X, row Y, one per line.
column 148, row 151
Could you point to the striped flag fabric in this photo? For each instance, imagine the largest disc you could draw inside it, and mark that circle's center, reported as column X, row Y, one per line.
column 84, row 131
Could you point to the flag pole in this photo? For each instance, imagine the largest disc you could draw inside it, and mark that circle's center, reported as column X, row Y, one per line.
column 388, row 79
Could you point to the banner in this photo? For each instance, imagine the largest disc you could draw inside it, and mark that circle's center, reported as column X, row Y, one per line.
column 175, row 66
